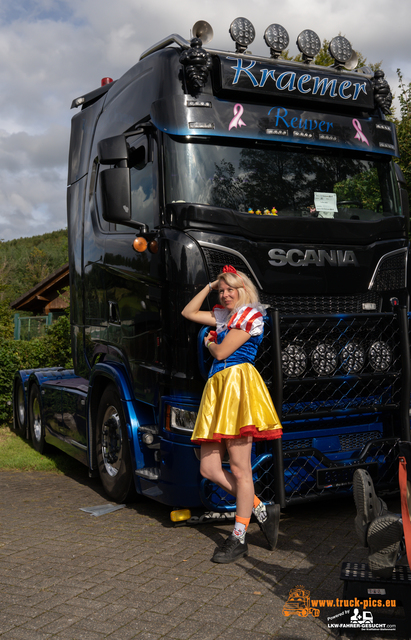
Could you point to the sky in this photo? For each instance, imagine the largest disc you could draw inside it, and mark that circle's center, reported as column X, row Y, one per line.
column 53, row 51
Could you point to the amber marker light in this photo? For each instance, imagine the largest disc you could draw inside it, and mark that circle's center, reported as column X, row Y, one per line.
column 179, row 515
column 140, row 244
column 153, row 246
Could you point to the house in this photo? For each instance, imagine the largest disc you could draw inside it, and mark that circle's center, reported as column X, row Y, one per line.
column 49, row 296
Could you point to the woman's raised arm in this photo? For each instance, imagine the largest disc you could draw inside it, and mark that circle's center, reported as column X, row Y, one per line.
column 192, row 310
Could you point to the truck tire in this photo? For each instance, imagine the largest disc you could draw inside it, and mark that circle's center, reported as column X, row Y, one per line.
column 113, row 450
column 36, row 419
column 19, row 409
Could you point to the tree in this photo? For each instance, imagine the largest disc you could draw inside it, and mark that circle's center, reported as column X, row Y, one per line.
column 6, row 320
column 6, row 316
column 36, row 268
column 324, row 58
column 404, row 128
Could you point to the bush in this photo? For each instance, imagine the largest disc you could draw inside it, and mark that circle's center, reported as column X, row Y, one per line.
column 51, row 351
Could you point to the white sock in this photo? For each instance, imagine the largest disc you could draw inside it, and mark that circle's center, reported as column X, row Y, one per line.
column 239, row 531
column 260, row 512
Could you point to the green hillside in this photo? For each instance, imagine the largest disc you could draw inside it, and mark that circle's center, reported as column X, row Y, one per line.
column 27, row 261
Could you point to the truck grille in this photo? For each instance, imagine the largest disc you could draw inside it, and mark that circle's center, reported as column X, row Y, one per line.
column 334, row 364
column 391, row 272
column 348, row 441
column 296, row 305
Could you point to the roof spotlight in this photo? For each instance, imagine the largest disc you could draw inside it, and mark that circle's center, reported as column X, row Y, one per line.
column 340, row 49
column 243, row 33
column 309, row 44
column 277, row 38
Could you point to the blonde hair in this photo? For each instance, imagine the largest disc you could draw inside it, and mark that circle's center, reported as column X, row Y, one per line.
column 247, row 292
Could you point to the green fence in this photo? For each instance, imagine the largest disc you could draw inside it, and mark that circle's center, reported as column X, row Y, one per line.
column 27, row 328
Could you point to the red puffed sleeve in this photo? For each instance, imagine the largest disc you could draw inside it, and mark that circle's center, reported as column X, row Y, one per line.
column 248, row 319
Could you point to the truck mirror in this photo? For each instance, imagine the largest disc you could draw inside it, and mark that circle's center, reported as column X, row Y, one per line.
column 114, row 187
column 112, row 150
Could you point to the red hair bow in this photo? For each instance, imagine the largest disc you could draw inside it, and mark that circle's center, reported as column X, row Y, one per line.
column 229, row 269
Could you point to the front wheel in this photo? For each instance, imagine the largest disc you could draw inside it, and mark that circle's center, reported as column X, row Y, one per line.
column 36, row 420
column 113, row 451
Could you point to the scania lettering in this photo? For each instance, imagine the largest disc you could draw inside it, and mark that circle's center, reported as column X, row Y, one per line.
column 297, row 257
column 196, row 158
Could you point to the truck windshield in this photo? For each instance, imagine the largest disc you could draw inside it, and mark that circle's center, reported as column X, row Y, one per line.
column 285, row 180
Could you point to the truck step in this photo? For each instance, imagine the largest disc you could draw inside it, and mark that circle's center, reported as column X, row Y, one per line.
column 151, row 473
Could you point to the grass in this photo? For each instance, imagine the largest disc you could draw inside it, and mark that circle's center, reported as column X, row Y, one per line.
column 17, row 454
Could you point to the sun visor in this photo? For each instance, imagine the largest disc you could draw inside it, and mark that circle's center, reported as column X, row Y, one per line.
column 186, row 116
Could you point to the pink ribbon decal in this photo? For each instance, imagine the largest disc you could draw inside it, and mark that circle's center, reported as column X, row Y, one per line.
column 236, row 121
column 359, row 135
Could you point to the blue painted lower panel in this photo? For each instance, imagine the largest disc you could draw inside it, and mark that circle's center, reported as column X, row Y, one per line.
column 179, row 481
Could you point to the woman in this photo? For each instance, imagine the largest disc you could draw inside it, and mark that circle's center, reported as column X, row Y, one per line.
column 236, row 407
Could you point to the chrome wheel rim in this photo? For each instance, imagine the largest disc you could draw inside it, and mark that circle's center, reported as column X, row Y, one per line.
column 21, row 411
column 36, row 420
column 111, row 441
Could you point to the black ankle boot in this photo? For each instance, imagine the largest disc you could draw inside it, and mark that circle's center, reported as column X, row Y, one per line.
column 232, row 549
column 271, row 524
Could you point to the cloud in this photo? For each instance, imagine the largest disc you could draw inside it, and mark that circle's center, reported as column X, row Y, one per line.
column 56, row 50
column 33, row 180
column 24, row 152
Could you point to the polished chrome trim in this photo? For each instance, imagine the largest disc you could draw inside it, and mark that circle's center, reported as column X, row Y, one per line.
column 219, row 247
column 385, row 257
column 78, row 445
column 173, row 39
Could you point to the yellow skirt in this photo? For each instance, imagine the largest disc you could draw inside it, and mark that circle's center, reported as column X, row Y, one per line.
column 236, row 403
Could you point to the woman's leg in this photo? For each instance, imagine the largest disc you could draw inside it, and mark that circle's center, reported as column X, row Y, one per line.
column 235, row 546
column 211, row 467
column 239, row 451
column 239, row 483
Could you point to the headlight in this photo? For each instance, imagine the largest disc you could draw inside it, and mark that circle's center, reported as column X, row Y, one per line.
column 380, row 356
column 180, row 420
column 294, row 360
column 324, row 359
column 352, row 358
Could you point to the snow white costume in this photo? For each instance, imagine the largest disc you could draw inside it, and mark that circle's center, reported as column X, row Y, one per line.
column 235, row 401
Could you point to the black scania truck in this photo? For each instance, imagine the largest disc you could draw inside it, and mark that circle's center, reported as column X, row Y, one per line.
column 196, row 158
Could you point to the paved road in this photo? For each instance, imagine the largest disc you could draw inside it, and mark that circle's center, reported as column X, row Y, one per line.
column 68, row 575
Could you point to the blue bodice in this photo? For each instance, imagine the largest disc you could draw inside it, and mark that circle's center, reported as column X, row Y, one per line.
column 246, row 353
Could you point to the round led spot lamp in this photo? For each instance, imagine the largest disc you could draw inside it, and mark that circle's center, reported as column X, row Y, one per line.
column 340, row 49
column 309, row 44
column 242, row 32
column 352, row 358
column 277, row 38
column 324, row 359
column 294, row 361
column 380, row 356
